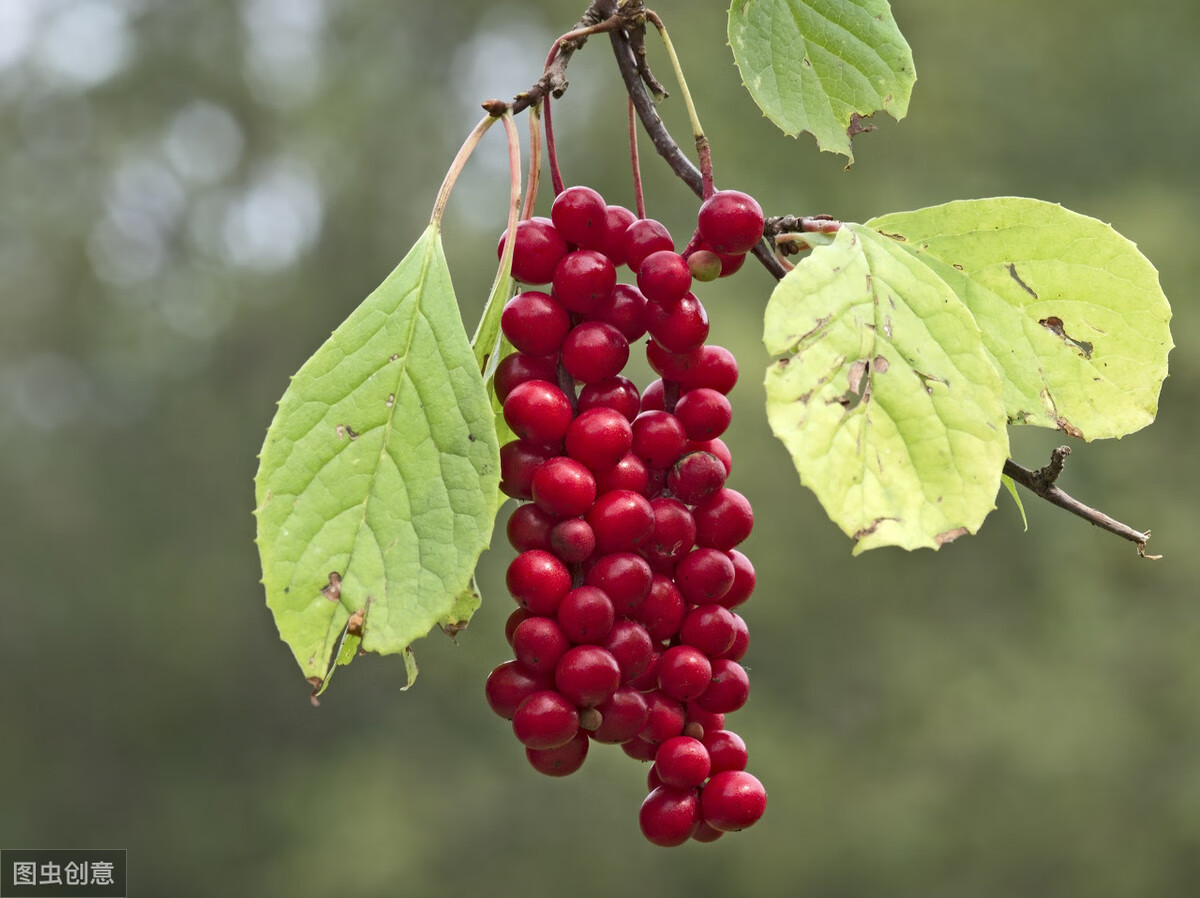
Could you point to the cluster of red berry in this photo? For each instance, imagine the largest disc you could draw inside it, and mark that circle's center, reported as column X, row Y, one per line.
column 628, row 572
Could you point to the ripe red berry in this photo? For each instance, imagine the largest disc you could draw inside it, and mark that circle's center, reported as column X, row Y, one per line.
column 704, row 575
column 630, row 644
column 710, row 628
column 676, row 366
column 535, row 323
column 664, row 277
column 629, row 473
column 639, row 749
column 621, row 519
column 572, row 540
column 564, row 487
column 669, row 817
column 723, row 519
column 538, row 643
column 663, row 609
column 519, row 462
column 580, row 215
column 529, row 527
column 587, row 675
column 539, row 412
column 743, row 580
column 704, row 413
column 618, row 219
column 584, row 280
column 658, row 438
column 561, row 761
column 665, row 720
column 684, row 672
column 545, row 720
column 586, row 616
column 509, row 685
column 674, row 531
column 624, row 577
column 726, row 750
column 694, row 476
column 732, row 800
column 538, row 250
column 643, row 237
column 594, row 351
column 517, row 367
column 599, row 438
column 729, row 689
column 538, row 581
column 731, row 221
column 682, row 762
column 626, row 310
column 617, row 393
column 708, row 366
column 623, row 716
column 680, row 326
column 741, row 640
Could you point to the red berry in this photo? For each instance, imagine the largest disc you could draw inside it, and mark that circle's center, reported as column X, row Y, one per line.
column 664, row 277
column 669, row 817
column 704, row 413
column 743, row 580
column 599, row 438
column 509, row 685
column 517, row 367
column 626, row 310
column 529, row 527
column 535, row 323
column 643, row 237
column 539, row 412
column 708, row 366
column 679, row 326
column 628, row 474
column 732, row 800
column 682, row 762
column 620, row 519
column 572, row 540
column 584, row 280
column 518, row 616
column 624, row 577
column 710, row 628
column 723, row 519
column 587, row 675
column 580, row 215
column 729, row 689
column 658, row 438
column 663, row 609
column 665, row 720
column 538, row 250
column 561, row 761
column 586, row 616
column 630, row 644
column 694, row 476
column 617, row 393
column 639, row 749
column 704, row 575
column 741, row 640
column 623, row 715
column 731, row 221
column 538, row 581
column 538, row 643
column 675, row 366
column 594, row 351
column 564, row 488
column 674, row 531
column 545, row 720
column 519, row 462
column 726, row 750
column 618, row 219
column 684, row 672
column 653, row 397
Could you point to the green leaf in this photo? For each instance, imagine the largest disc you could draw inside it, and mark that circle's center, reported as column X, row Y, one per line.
column 381, row 468
column 1071, row 313
column 1016, row 497
column 884, row 395
column 822, row 65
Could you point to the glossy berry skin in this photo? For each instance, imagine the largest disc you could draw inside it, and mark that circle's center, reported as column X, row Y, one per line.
column 627, row 310
column 538, row 643
column 668, row 816
column 674, row 531
column 518, row 617
column 704, row 413
column 732, row 800
column 676, row 366
column 621, row 519
column 723, row 519
column 509, row 685
column 618, row 393
column 623, row 716
column 538, row 250
column 538, row 581
column 729, row 689
column 639, row 749
column 695, row 476
column 518, row 367
column 630, row 644
column 644, row 237
column 599, row 438
column 629, row 473
column 528, row 528
column 545, row 720
column 666, row 718
column 663, row 610
column 664, row 277
column 706, row 720
column 741, row 640
column 584, row 280
column 594, row 351
column 538, row 411
column 520, row 460
column 564, row 487
column 658, row 438
column 710, row 628
column 580, row 215
column 743, row 580
column 704, row 575
column 535, row 323
column 617, row 221
column 709, row 366
column 731, row 221
column 684, row 672
column 571, row 540
column 679, row 326
column 587, row 675
column 682, row 762
column 726, row 750
column 561, row 761
column 624, row 577
column 586, row 616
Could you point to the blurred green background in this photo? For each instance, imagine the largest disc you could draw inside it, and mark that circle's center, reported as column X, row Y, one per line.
column 193, row 193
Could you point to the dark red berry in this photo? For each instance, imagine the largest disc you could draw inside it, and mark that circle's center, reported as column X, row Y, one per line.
column 580, row 215
column 617, row 393
column 665, row 720
column 539, row 412
column 517, row 367
column 682, row 762
column 535, row 323
column 669, row 817
column 664, row 277
column 658, row 438
column 731, row 221
column 663, row 609
column 704, row 575
column 726, row 750
column 630, row 644
column 704, row 413
column 586, row 616
column 623, row 715
column 676, row 366
column 594, row 351
column 653, row 397
column 732, row 800
column 694, row 476
column 529, row 527
column 723, row 519
column 684, row 672
column 518, row 616
column 538, row 250
column 626, row 310
column 717, row 447
column 509, row 685
column 674, row 531
column 644, row 237
column 564, row 487
column 639, row 749
column 538, row 643
column 538, row 581
column 618, row 219
column 708, row 366
column 584, row 280
column 679, row 326
column 743, row 580
column 545, row 720
column 572, row 540
column 729, row 689
column 561, row 761
column 621, row 519
column 710, row 628
column 587, row 675
column 519, row 462
column 629, row 473
column 741, row 640
column 624, row 577
column 599, row 438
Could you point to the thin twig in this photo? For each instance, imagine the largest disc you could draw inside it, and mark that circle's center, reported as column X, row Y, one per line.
column 1042, row 483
